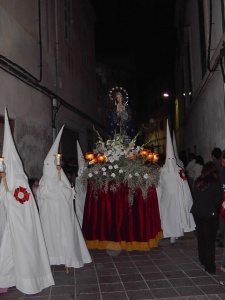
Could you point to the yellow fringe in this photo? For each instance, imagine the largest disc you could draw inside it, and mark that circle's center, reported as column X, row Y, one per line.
column 127, row 246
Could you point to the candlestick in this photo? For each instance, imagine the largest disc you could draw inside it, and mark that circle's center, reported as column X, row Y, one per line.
column 59, row 172
column 3, row 176
column 58, row 158
column 2, row 173
column 2, row 165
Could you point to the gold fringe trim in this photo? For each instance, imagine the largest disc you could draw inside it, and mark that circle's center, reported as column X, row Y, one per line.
column 127, row 246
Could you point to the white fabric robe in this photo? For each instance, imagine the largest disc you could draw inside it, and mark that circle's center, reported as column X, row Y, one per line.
column 80, row 193
column 175, row 202
column 80, row 197
column 63, row 235
column 24, row 260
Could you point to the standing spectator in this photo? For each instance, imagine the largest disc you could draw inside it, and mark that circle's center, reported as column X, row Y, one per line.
column 183, row 158
column 207, row 201
column 70, row 168
column 197, row 168
column 189, row 169
column 218, row 160
column 223, row 195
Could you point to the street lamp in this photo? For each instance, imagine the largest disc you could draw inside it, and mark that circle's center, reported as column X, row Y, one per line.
column 166, row 95
column 170, row 108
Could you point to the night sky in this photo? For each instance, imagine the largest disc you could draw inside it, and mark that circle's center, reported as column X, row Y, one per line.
column 144, row 26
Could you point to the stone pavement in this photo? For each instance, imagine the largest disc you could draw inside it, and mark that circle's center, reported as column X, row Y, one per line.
column 165, row 272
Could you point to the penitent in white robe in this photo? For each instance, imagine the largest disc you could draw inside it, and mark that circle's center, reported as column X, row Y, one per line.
column 175, row 202
column 80, row 193
column 24, row 261
column 63, row 235
column 80, row 197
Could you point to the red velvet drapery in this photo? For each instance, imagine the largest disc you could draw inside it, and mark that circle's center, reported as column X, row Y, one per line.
column 110, row 223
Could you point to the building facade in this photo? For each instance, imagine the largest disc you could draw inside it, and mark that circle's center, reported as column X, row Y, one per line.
column 48, row 77
column 200, row 76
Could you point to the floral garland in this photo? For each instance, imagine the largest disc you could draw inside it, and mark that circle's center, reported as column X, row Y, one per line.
column 123, row 165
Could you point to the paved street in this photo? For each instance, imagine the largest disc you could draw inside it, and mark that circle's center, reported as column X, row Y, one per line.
column 169, row 271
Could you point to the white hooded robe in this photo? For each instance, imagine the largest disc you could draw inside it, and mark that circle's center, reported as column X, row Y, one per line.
column 24, row 260
column 63, row 235
column 80, row 195
column 175, row 200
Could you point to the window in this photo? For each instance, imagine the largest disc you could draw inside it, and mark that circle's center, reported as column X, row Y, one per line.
column 67, row 16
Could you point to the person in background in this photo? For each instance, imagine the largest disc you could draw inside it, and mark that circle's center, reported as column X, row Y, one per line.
column 223, row 195
column 207, row 200
column 69, row 175
column 197, row 168
column 183, row 157
column 71, row 168
column 189, row 170
column 216, row 159
column 216, row 155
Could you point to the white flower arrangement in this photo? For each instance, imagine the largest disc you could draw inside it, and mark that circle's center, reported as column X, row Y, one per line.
column 120, row 167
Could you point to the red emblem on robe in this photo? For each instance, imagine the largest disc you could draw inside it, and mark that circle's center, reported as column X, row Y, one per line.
column 182, row 174
column 21, row 194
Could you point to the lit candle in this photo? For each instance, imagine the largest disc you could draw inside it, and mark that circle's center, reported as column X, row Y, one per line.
column 89, row 155
column 132, row 156
column 101, row 158
column 2, row 165
column 58, row 158
column 150, row 156
column 144, row 152
column 156, row 157
column 94, row 160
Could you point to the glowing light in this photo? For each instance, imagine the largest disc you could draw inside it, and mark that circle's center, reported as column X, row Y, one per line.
column 166, row 95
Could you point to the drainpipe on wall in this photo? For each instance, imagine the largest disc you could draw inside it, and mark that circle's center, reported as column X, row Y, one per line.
column 55, row 106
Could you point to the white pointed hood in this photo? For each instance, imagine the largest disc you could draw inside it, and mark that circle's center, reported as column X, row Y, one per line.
column 49, row 160
column 50, row 173
column 179, row 162
column 170, row 163
column 15, row 174
column 24, row 260
column 80, row 159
